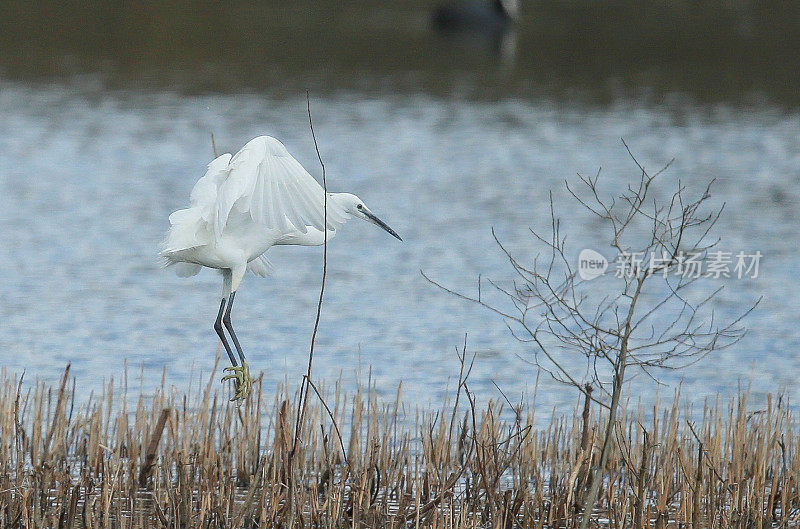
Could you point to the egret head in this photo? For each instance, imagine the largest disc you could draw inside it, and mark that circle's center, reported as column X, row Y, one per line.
column 356, row 207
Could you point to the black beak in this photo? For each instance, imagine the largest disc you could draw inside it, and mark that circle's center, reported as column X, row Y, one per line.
column 382, row 224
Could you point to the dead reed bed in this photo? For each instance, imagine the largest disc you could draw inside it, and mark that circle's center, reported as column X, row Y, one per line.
column 198, row 461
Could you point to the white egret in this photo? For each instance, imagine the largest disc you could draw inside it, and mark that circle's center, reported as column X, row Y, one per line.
column 245, row 204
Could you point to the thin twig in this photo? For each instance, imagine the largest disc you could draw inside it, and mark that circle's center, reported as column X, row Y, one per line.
column 304, row 385
column 333, row 420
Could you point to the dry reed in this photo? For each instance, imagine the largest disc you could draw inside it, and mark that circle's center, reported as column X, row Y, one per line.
column 172, row 460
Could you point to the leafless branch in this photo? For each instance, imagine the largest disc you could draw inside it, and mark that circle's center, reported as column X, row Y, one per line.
column 651, row 316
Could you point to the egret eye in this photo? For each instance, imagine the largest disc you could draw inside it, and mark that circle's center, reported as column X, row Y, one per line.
column 360, row 206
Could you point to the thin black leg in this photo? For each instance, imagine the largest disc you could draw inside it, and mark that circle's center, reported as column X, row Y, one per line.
column 221, row 333
column 228, row 325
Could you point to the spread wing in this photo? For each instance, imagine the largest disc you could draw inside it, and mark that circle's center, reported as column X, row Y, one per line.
column 264, row 181
column 204, row 193
column 191, row 227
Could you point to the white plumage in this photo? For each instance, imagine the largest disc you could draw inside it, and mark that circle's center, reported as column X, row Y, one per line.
column 246, row 203
column 242, row 206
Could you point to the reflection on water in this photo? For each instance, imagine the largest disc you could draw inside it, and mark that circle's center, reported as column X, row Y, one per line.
column 714, row 50
column 88, row 178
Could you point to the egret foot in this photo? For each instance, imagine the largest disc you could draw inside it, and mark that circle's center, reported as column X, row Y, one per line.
column 241, row 376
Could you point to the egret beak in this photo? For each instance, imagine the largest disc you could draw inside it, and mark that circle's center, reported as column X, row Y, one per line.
column 378, row 222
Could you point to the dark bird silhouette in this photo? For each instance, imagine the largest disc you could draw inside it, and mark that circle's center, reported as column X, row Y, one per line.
column 475, row 16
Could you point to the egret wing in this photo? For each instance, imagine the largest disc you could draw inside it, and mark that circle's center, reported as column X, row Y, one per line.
column 266, row 182
column 192, row 227
column 260, row 266
column 204, row 192
column 187, row 269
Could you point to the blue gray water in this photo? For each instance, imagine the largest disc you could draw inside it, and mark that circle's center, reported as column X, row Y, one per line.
column 88, row 178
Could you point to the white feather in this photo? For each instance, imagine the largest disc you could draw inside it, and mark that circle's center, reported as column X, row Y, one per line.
column 187, row 269
column 241, row 207
column 266, row 182
column 246, row 203
column 260, row 266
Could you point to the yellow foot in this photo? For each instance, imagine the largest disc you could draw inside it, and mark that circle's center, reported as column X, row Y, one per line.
column 241, row 376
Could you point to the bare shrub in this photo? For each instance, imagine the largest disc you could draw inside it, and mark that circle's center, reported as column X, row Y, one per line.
column 651, row 315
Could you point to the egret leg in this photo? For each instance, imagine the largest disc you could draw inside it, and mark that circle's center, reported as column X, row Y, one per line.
column 240, row 374
column 221, row 333
column 226, row 319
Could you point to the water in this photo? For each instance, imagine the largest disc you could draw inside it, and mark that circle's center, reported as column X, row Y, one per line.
column 88, row 177
column 714, row 51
